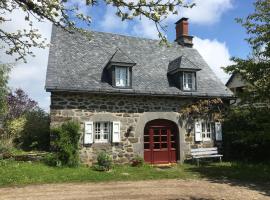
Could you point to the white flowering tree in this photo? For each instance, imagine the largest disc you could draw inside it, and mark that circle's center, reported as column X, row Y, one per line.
column 67, row 15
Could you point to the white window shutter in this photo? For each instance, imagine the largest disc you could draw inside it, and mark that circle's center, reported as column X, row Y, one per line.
column 218, row 131
column 88, row 132
column 116, row 132
column 198, row 131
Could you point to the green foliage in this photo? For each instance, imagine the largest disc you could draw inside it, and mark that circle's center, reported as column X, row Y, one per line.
column 52, row 160
column 255, row 70
column 15, row 127
column 4, row 75
column 137, row 161
column 36, row 131
column 31, row 131
column 65, row 144
column 21, row 173
column 4, row 148
column 104, row 162
column 246, row 134
column 208, row 109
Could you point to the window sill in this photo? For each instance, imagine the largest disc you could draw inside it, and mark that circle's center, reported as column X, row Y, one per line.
column 101, row 145
column 207, row 141
column 189, row 90
column 122, row 88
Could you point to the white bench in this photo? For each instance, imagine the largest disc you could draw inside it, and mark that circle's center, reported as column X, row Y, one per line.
column 200, row 153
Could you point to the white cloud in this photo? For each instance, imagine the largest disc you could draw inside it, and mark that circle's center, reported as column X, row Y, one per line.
column 29, row 76
column 111, row 22
column 145, row 28
column 206, row 12
column 216, row 54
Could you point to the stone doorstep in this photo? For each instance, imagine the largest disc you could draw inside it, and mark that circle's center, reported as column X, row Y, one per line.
column 164, row 165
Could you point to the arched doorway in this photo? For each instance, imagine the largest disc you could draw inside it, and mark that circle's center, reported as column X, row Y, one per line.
column 161, row 139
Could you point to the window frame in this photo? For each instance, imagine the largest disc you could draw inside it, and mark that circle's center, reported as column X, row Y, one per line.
column 128, row 79
column 207, row 134
column 101, row 132
column 193, row 81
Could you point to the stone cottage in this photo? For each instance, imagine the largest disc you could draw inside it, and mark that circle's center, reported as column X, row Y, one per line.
column 126, row 93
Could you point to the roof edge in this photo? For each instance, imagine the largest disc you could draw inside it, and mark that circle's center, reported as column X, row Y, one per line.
column 129, row 92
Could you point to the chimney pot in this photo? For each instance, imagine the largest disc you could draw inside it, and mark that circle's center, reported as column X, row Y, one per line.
column 182, row 36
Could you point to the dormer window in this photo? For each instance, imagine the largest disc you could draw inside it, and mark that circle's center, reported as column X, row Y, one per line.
column 122, row 77
column 182, row 73
column 189, row 81
column 119, row 70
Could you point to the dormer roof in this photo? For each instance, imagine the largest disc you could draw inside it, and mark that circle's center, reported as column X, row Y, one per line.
column 120, row 57
column 182, row 63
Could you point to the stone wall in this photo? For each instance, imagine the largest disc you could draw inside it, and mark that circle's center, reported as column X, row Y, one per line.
column 132, row 111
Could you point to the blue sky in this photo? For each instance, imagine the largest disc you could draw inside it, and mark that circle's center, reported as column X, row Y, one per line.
column 212, row 23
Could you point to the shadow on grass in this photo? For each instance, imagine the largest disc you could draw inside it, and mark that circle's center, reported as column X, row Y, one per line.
column 252, row 176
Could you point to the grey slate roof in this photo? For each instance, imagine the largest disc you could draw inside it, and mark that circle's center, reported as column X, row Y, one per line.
column 77, row 64
column 182, row 62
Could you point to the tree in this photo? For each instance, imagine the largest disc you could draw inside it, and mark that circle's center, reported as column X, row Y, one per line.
column 246, row 128
column 255, row 70
column 4, row 72
column 67, row 15
column 19, row 104
column 36, row 131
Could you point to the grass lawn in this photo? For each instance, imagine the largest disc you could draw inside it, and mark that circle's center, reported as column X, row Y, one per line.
column 21, row 173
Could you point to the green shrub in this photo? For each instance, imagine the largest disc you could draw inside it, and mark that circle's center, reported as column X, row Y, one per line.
column 36, row 132
column 246, row 134
column 3, row 148
column 137, row 161
column 14, row 127
column 104, row 162
column 51, row 160
column 65, row 144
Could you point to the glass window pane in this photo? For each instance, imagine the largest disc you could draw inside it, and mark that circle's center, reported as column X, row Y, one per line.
column 203, row 127
column 164, row 145
column 156, row 132
column 208, row 127
column 146, row 146
column 156, row 146
column 146, row 139
column 102, row 131
column 188, row 81
column 163, row 138
column 156, row 138
column 121, row 76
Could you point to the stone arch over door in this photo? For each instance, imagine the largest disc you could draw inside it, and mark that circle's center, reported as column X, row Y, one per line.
column 150, row 116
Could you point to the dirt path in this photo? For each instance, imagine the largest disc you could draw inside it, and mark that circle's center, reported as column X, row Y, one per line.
column 150, row 190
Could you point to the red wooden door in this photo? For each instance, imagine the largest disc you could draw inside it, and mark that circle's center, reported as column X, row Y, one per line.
column 160, row 143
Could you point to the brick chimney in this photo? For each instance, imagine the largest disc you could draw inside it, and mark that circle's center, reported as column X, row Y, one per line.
column 182, row 36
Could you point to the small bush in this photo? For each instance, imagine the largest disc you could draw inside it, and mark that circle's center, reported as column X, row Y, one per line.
column 36, row 132
column 51, row 160
column 104, row 162
column 137, row 161
column 65, row 144
column 14, row 127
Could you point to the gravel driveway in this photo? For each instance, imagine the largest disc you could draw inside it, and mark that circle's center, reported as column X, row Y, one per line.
column 150, row 190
